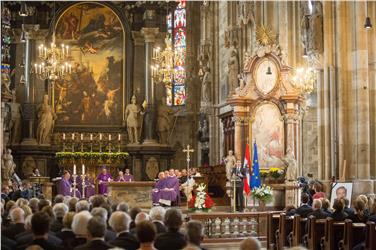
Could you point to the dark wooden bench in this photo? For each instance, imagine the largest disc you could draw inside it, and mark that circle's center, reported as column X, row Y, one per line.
column 353, row 235
column 333, row 234
column 316, row 230
column 284, row 228
column 273, row 222
column 370, row 243
column 298, row 230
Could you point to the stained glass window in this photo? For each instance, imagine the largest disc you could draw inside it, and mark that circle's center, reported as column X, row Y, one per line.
column 176, row 29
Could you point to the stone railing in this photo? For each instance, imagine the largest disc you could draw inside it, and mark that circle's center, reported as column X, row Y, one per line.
column 233, row 226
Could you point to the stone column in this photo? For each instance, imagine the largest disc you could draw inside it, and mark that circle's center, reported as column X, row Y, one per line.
column 239, row 123
column 28, row 106
column 149, row 117
column 138, row 70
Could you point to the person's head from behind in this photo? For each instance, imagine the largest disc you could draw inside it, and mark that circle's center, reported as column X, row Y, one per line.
column 338, row 205
column 316, row 204
column 304, row 198
column 157, row 213
column 59, row 210
column 119, row 221
column 17, row 215
column 68, row 219
column 325, row 204
column 194, row 230
column 141, row 217
column 58, row 199
column 146, row 232
column 122, row 206
column 40, row 224
column 250, row 244
column 82, row 205
column 96, row 228
column 79, row 223
column 100, row 212
column 341, row 192
column 173, row 219
column 359, row 206
column 134, row 211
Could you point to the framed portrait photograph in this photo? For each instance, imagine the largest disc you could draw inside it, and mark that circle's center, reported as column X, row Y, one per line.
column 341, row 190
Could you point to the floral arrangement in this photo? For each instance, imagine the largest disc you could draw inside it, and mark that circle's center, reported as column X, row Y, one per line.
column 276, row 172
column 201, row 201
column 264, row 173
column 263, row 193
column 104, row 156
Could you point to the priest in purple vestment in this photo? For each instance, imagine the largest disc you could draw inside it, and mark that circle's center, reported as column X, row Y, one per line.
column 170, row 190
column 89, row 186
column 65, row 186
column 120, row 177
column 103, row 179
column 158, row 187
column 127, row 176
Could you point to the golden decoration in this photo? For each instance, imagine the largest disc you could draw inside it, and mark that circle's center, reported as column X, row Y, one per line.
column 265, row 35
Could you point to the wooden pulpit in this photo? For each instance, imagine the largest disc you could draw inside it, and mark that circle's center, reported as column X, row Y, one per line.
column 135, row 193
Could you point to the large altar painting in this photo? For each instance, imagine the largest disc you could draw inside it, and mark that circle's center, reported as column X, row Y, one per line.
column 93, row 93
column 267, row 130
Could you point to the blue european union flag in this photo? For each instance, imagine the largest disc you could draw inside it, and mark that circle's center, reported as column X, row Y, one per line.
column 255, row 177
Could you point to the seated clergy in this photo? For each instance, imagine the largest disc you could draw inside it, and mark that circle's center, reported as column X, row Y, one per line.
column 125, row 177
column 158, row 187
column 103, row 179
column 170, row 191
column 120, row 177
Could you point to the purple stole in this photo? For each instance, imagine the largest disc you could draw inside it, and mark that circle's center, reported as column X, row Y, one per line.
column 172, row 183
column 155, row 195
column 102, row 187
column 65, row 187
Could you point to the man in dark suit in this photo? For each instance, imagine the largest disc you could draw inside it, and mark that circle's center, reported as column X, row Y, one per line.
column 40, row 225
column 96, row 229
column 119, row 222
column 304, row 208
column 172, row 239
column 238, row 174
column 194, row 231
column 17, row 217
column 66, row 234
column 317, row 211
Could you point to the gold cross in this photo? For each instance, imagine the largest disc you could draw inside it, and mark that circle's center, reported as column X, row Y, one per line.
column 188, row 150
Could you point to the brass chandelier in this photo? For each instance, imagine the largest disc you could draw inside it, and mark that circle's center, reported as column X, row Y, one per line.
column 163, row 64
column 304, row 80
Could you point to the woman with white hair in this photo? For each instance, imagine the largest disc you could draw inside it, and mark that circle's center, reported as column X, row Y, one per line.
column 59, row 210
column 157, row 217
column 102, row 214
column 79, row 227
column 119, row 222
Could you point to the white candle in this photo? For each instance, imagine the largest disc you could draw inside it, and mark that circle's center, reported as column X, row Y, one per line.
column 100, row 136
column 109, row 137
column 83, row 169
column 64, row 136
column 74, row 169
column 73, row 136
column 67, row 50
column 91, row 137
column 119, row 137
column 82, row 136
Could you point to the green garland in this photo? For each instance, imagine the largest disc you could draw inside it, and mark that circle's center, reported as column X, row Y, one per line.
column 101, row 156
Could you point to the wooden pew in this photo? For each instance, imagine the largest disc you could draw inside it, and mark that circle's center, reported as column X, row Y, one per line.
column 353, row 235
column 333, row 233
column 370, row 243
column 273, row 222
column 316, row 230
column 284, row 228
column 298, row 230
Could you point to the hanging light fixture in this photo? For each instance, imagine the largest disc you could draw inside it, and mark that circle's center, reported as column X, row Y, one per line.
column 23, row 11
column 368, row 23
column 305, row 55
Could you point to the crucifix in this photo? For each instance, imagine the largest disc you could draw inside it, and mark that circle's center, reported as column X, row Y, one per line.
column 188, row 150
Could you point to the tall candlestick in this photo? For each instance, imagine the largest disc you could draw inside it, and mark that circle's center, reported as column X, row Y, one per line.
column 72, row 136
column 91, row 137
column 83, row 169
column 100, row 136
column 119, row 137
column 74, row 169
column 64, row 136
column 82, row 136
column 109, row 137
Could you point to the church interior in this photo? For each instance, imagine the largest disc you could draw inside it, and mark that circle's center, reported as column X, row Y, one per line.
column 184, row 124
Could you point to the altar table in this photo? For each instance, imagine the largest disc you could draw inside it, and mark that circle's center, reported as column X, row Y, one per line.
column 135, row 193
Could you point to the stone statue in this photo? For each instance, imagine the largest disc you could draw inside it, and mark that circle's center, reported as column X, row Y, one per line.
column 15, row 120
column 230, row 162
column 206, row 83
column 7, row 166
column 163, row 122
column 247, row 62
column 312, row 28
column 233, row 70
column 290, row 161
column 5, row 85
column 203, row 130
column 46, row 120
column 132, row 112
